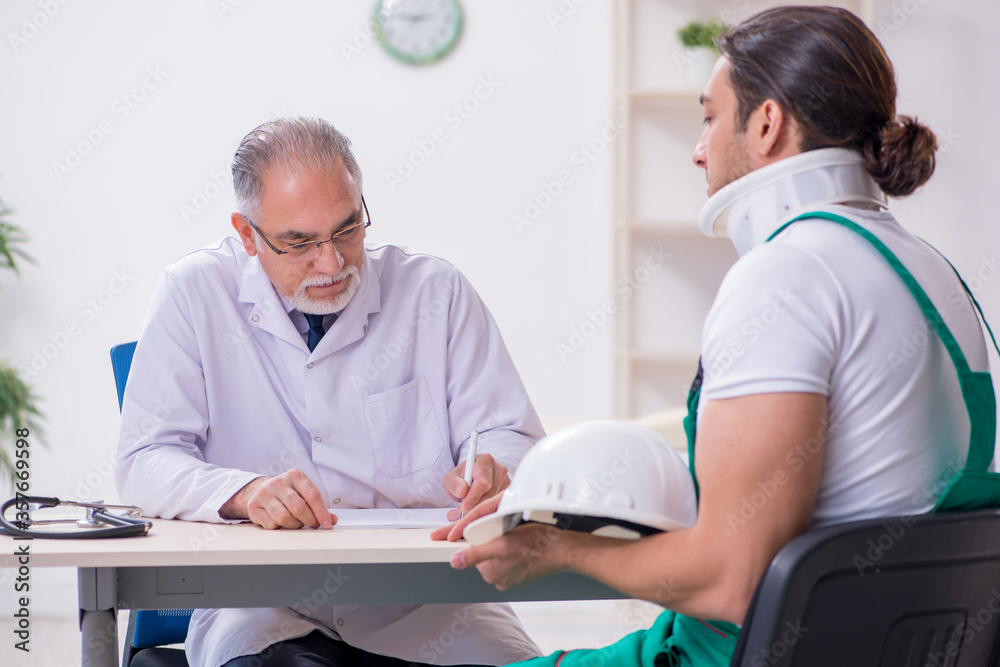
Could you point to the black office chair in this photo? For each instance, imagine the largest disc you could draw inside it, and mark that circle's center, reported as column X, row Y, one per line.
column 921, row 591
column 149, row 630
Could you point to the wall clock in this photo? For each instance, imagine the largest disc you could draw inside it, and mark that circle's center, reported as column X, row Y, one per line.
column 418, row 32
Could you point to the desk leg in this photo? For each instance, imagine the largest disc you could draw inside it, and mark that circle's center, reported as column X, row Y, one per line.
column 98, row 592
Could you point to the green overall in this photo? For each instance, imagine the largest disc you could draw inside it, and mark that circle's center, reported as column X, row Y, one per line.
column 675, row 639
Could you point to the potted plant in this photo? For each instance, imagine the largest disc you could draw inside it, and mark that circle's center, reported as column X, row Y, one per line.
column 17, row 402
column 700, row 52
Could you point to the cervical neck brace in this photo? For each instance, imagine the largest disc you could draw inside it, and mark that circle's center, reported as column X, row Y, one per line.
column 751, row 208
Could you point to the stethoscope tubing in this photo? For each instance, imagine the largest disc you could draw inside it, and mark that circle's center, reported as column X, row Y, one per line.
column 118, row 526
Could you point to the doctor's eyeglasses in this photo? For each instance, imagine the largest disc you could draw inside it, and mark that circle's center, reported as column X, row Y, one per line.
column 310, row 250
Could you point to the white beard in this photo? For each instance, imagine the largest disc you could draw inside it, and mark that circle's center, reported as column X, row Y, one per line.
column 306, row 304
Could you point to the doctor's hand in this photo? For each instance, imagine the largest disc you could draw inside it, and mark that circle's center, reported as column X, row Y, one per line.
column 290, row 500
column 489, row 478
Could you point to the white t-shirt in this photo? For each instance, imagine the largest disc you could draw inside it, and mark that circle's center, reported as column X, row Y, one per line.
column 819, row 310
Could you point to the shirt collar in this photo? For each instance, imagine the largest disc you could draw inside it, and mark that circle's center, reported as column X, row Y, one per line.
column 273, row 312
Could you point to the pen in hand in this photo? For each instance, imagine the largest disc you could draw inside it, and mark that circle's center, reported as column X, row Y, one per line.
column 470, row 460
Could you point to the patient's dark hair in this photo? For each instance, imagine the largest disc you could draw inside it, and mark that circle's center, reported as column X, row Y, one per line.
column 827, row 69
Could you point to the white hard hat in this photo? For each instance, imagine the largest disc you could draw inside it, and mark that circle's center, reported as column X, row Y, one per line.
column 617, row 479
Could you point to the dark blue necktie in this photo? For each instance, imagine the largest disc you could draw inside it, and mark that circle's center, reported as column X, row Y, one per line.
column 316, row 330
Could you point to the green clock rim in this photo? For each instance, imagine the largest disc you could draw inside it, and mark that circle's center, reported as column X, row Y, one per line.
column 431, row 57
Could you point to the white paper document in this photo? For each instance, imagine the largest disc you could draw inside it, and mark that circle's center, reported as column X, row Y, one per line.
column 391, row 517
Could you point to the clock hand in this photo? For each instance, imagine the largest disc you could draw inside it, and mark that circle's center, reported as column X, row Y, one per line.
column 415, row 17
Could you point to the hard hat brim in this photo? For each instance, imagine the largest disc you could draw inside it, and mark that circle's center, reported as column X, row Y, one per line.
column 492, row 526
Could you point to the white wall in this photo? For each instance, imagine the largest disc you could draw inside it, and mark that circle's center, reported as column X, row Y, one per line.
column 946, row 59
column 119, row 212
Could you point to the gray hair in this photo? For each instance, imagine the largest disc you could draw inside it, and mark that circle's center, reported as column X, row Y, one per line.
column 286, row 143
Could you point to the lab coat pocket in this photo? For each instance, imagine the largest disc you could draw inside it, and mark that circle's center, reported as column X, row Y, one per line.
column 404, row 430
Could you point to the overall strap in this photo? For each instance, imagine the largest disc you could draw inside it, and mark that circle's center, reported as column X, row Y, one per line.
column 980, row 449
column 968, row 293
column 932, row 314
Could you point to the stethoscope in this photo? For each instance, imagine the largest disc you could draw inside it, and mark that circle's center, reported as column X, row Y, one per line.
column 99, row 521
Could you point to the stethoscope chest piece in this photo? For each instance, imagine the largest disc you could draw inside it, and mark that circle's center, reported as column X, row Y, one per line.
column 92, row 520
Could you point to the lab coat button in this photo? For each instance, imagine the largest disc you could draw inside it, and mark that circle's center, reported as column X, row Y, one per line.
column 340, row 621
column 309, row 365
column 318, row 439
column 336, row 501
column 364, row 329
column 255, row 318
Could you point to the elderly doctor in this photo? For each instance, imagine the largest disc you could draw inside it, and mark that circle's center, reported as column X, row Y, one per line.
column 830, row 411
column 296, row 369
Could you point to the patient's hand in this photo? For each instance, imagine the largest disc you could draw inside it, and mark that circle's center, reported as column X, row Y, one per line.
column 290, row 500
column 453, row 532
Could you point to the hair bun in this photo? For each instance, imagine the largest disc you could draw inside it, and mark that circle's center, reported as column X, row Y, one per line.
column 901, row 157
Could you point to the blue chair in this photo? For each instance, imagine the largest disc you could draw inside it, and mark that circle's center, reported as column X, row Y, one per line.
column 149, row 630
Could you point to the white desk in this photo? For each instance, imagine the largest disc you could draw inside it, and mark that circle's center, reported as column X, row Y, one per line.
column 181, row 565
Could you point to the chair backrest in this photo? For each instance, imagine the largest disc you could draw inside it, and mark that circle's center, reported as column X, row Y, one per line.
column 921, row 590
column 147, row 627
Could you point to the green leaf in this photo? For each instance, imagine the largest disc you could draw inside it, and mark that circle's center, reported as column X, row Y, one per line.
column 18, row 410
column 17, row 402
column 11, row 236
column 701, row 33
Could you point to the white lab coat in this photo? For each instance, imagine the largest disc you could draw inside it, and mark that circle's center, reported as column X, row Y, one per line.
column 224, row 389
